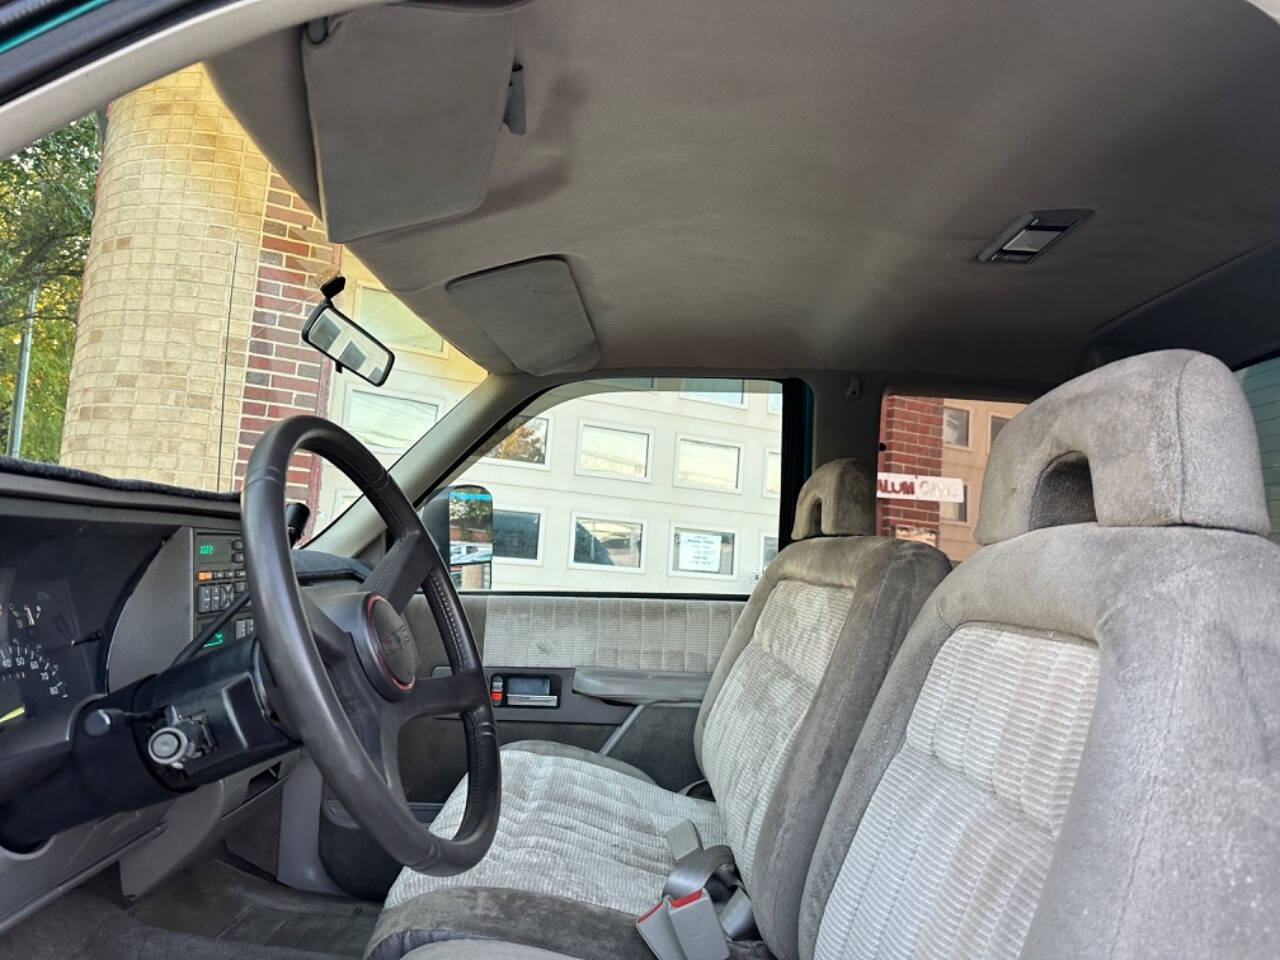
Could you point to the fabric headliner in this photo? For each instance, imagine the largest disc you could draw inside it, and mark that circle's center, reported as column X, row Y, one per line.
column 824, row 174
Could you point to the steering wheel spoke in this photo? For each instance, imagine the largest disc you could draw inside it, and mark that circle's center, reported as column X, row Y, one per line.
column 444, row 696
column 332, row 642
column 400, row 573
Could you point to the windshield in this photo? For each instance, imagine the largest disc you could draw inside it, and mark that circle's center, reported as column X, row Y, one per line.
column 155, row 274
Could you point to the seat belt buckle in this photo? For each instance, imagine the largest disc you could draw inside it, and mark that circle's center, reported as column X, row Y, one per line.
column 697, row 927
column 658, row 933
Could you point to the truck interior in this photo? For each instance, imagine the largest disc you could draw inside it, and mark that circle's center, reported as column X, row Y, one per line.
column 542, row 479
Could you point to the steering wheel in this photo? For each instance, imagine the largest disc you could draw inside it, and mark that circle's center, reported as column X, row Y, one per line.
column 347, row 671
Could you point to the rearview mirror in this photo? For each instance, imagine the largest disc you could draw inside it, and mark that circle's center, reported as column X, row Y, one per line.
column 348, row 344
column 460, row 522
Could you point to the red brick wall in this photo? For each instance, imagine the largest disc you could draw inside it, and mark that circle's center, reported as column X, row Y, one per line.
column 911, row 431
column 285, row 377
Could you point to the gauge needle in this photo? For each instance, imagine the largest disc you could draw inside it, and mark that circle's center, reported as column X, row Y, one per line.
column 13, row 714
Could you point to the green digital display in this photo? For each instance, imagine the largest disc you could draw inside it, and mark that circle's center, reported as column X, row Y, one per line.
column 206, row 549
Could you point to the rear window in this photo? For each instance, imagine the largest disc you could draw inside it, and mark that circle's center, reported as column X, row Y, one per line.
column 933, row 454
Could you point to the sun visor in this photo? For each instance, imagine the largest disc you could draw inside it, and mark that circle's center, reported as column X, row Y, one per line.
column 405, row 102
column 533, row 312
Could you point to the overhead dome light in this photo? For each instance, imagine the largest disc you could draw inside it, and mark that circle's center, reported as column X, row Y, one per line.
column 1031, row 235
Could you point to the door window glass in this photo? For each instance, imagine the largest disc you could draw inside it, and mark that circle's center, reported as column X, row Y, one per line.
column 643, row 487
column 1261, row 385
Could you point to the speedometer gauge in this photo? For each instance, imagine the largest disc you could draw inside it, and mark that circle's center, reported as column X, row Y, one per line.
column 29, row 677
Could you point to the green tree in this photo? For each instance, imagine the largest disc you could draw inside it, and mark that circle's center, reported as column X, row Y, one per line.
column 46, row 210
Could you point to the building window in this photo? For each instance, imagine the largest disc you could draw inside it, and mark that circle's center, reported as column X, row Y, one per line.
column 768, row 550
column 613, row 452
column 997, row 424
column 955, row 426
column 394, row 324
column 774, row 402
column 526, row 445
column 709, row 465
column 707, row 552
column 517, row 535
column 608, row 543
column 773, row 473
column 727, row 393
column 955, row 512
column 388, row 422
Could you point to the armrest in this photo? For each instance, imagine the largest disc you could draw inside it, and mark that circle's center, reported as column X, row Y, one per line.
column 640, row 686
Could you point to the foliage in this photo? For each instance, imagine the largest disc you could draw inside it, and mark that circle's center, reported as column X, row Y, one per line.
column 46, row 209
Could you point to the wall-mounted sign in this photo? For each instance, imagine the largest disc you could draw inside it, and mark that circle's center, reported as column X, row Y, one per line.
column 908, row 486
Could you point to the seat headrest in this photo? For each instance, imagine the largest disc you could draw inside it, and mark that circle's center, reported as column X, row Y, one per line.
column 838, row 500
column 1161, row 439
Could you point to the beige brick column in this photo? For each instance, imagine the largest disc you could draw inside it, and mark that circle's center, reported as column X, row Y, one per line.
column 180, row 185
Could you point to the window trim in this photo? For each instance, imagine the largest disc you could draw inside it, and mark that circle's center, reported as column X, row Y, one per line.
column 575, row 516
column 416, row 351
column 686, row 395
column 991, row 437
column 966, row 522
column 968, row 411
column 541, row 513
column 711, row 441
column 673, row 571
column 523, row 465
column 764, row 481
column 777, row 549
column 354, row 388
column 580, row 471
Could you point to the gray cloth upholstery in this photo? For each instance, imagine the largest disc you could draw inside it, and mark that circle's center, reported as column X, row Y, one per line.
column 1161, row 439
column 640, row 633
column 1169, row 844
column 838, row 500
column 550, row 748
column 572, row 828
column 976, row 816
column 783, row 711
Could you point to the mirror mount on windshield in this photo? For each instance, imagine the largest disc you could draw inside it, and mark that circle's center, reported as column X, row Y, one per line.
column 349, row 345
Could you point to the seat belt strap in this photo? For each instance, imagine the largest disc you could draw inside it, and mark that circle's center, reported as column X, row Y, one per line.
column 696, row 870
column 683, row 839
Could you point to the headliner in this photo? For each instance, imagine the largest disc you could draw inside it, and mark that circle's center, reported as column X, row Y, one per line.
column 806, row 185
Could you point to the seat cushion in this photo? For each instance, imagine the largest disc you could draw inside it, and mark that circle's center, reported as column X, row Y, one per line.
column 573, row 828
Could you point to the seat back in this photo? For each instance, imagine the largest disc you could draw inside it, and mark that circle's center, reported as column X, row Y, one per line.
column 797, row 677
column 1077, row 750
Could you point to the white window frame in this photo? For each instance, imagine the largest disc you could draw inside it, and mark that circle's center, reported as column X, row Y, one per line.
column 500, row 462
column 699, row 396
column 417, row 351
column 968, row 411
column 764, row 481
column 768, row 397
column 991, row 419
column 354, row 388
column 580, row 471
column 674, row 571
column 542, row 536
column 763, row 537
column 602, row 567
column 967, row 521
column 711, row 441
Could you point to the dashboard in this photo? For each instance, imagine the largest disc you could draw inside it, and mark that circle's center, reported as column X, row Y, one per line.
column 100, row 589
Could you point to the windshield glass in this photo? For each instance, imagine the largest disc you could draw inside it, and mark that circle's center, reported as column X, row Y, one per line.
column 155, row 274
